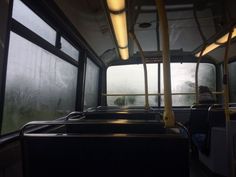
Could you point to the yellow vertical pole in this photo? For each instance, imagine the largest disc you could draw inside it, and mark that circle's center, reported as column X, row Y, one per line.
column 226, row 106
column 133, row 36
column 196, row 75
column 169, row 117
column 196, row 80
column 226, row 73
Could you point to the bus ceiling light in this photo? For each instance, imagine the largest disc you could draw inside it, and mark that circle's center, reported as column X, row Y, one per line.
column 120, row 28
column 118, row 19
column 208, row 49
column 216, row 44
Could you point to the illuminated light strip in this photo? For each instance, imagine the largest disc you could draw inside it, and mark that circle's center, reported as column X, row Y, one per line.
column 216, row 44
column 208, row 49
column 120, row 28
column 224, row 38
column 119, row 23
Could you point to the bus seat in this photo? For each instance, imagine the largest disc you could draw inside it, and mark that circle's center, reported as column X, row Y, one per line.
column 105, row 155
column 233, row 141
column 198, row 121
column 199, row 106
column 116, row 126
column 216, row 117
column 216, row 160
column 198, row 126
column 121, row 114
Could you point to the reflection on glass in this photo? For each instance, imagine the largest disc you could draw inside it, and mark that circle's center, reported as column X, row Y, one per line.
column 91, row 85
column 69, row 49
column 39, row 85
column 28, row 18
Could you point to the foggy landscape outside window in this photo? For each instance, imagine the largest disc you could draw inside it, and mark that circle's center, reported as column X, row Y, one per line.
column 39, row 85
column 129, row 79
column 183, row 81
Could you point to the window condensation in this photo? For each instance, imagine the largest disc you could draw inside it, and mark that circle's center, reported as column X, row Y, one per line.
column 39, row 85
column 69, row 49
column 29, row 19
column 129, row 79
column 183, row 81
column 207, row 76
column 91, row 85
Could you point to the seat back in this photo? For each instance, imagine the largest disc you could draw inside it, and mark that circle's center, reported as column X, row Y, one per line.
column 216, row 116
column 107, row 155
column 198, row 122
column 90, row 153
column 116, row 126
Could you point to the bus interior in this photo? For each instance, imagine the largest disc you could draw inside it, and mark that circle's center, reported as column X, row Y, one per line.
column 114, row 88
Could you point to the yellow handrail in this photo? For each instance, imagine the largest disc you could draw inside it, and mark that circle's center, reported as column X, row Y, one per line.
column 132, row 35
column 196, row 75
column 154, row 94
column 226, row 74
column 226, row 106
column 169, row 117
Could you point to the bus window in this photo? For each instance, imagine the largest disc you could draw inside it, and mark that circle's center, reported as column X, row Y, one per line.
column 207, row 75
column 129, row 79
column 43, row 87
column 69, row 49
column 28, row 18
column 183, row 81
column 91, row 85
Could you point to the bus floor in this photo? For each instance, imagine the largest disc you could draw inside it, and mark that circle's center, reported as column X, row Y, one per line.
column 197, row 169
